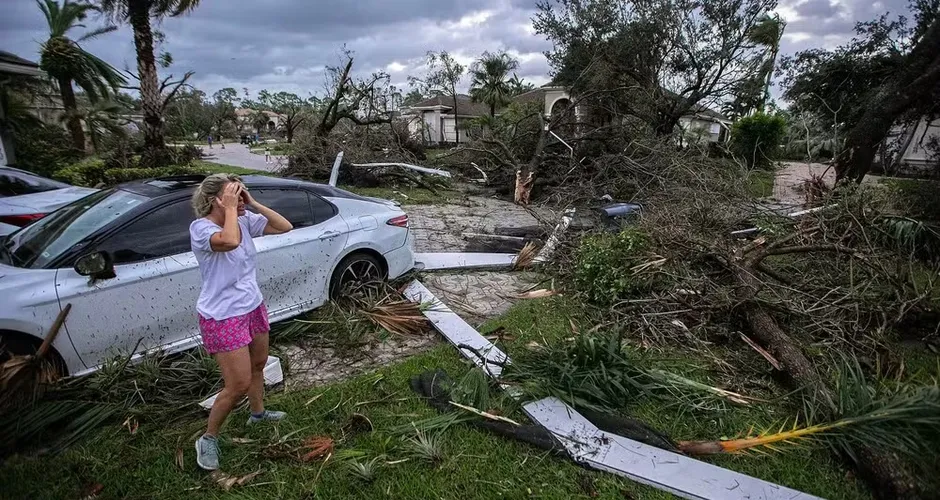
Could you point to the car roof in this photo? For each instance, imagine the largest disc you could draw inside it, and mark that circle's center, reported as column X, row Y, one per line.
column 164, row 186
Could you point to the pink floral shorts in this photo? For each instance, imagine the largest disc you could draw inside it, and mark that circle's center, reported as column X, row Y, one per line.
column 233, row 333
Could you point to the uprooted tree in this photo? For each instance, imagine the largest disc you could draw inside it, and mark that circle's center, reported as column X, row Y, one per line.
column 888, row 75
column 655, row 61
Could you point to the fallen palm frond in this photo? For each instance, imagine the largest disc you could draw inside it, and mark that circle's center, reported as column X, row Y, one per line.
column 26, row 376
column 71, row 420
column 399, row 316
column 593, row 372
column 484, row 414
column 905, row 420
column 526, row 256
column 226, row 482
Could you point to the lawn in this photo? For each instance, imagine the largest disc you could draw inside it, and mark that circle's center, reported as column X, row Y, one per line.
column 475, row 464
column 218, row 168
column 760, row 183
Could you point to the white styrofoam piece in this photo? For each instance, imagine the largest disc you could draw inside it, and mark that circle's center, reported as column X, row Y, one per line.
column 661, row 469
column 456, row 330
column 273, row 374
column 588, row 445
column 463, row 260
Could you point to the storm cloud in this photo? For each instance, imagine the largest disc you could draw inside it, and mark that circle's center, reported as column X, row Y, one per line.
column 286, row 44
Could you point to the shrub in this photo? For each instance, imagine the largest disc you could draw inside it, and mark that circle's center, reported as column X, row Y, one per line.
column 43, row 149
column 757, row 139
column 88, row 172
column 606, row 266
column 93, row 172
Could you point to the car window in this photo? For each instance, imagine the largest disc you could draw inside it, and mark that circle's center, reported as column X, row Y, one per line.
column 322, row 210
column 162, row 232
column 14, row 183
column 45, row 240
column 293, row 205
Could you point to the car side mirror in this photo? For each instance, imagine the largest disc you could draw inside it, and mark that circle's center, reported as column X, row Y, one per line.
column 97, row 266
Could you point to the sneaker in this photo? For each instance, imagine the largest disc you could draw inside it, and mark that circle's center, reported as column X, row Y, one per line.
column 273, row 416
column 207, row 452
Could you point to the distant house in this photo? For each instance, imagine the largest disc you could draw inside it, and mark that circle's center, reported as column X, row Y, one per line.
column 246, row 125
column 11, row 65
column 435, row 119
column 916, row 147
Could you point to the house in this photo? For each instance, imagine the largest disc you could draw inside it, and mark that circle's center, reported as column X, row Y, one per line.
column 12, row 66
column 705, row 125
column 245, row 123
column 915, row 147
column 434, row 119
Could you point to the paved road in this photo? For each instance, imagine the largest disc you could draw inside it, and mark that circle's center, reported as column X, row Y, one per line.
column 239, row 156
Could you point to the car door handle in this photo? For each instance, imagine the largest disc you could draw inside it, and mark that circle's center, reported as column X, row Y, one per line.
column 329, row 234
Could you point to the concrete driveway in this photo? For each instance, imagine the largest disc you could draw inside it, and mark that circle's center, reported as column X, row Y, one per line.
column 239, row 156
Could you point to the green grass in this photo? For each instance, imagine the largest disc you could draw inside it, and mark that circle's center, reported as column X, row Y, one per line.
column 407, row 195
column 476, row 464
column 760, row 183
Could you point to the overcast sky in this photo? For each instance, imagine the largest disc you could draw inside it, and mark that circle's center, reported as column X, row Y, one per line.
column 285, row 44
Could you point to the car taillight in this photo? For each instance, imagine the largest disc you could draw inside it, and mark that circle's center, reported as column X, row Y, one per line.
column 20, row 220
column 400, row 221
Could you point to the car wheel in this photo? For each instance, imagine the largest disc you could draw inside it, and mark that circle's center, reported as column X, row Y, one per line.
column 355, row 269
column 17, row 344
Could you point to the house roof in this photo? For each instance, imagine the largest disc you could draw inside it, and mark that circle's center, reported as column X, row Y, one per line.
column 706, row 112
column 465, row 105
column 11, row 63
column 535, row 95
column 244, row 112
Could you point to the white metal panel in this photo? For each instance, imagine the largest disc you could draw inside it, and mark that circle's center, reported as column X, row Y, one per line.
column 460, row 260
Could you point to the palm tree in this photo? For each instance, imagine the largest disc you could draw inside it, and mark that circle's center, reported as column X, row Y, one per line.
column 490, row 83
column 138, row 13
column 104, row 118
column 768, row 32
column 65, row 61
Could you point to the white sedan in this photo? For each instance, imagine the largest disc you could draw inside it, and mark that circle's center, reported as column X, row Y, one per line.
column 26, row 197
column 121, row 257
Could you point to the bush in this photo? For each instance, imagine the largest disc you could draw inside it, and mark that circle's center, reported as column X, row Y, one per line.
column 606, row 266
column 44, row 149
column 757, row 139
column 94, row 172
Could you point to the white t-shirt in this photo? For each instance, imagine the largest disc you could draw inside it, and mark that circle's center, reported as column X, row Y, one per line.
column 229, row 281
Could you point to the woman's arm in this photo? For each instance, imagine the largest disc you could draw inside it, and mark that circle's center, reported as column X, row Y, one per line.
column 277, row 224
column 230, row 236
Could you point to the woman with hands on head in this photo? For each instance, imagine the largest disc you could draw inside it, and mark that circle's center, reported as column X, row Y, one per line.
column 232, row 318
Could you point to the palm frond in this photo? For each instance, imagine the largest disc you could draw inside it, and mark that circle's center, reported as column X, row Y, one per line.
column 97, row 32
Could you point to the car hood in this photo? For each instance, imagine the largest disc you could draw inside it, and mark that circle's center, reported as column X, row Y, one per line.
column 42, row 203
column 13, row 278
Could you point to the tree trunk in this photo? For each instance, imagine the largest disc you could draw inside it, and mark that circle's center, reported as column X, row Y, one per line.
column 525, row 176
column 289, row 132
column 73, row 123
column 913, row 83
column 150, row 98
column 885, row 472
column 456, row 129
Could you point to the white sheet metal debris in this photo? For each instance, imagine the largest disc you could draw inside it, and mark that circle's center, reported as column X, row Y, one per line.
column 458, row 331
column 424, row 170
column 463, row 260
column 334, row 174
column 588, row 445
column 273, row 375
column 546, row 252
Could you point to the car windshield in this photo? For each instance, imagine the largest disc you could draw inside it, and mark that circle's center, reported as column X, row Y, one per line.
column 45, row 240
column 16, row 183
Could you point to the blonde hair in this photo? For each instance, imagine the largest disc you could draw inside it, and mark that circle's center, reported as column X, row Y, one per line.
column 208, row 190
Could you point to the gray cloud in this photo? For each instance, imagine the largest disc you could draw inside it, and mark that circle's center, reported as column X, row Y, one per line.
column 285, row 44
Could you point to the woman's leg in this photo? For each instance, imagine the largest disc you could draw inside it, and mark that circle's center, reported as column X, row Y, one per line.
column 236, row 372
column 258, row 350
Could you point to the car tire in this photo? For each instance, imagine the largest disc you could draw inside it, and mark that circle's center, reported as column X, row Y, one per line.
column 358, row 267
column 18, row 344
